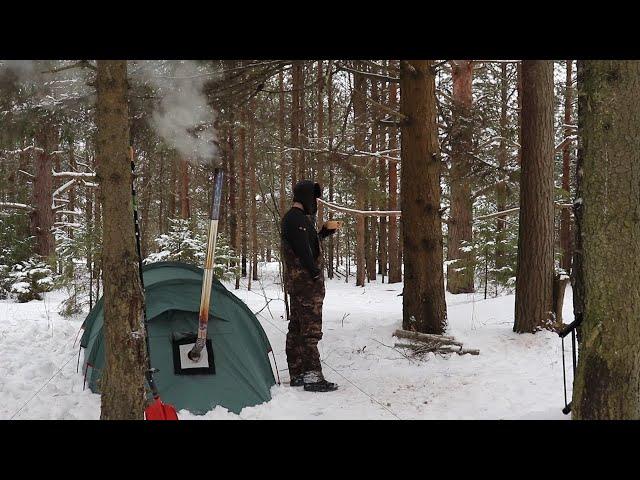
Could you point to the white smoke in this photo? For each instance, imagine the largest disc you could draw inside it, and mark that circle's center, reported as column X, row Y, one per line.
column 182, row 116
column 48, row 84
column 22, row 69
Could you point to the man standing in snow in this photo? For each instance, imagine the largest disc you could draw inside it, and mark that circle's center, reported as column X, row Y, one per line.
column 304, row 282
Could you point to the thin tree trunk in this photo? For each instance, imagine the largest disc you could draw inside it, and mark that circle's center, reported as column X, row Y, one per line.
column 224, row 147
column 42, row 217
column 519, row 88
column 172, row 191
column 160, row 189
column 233, row 203
column 606, row 267
column 395, row 258
column 90, row 234
column 565, row 216
column 185, row 208
column 296, row 123
column 320, row 142
column 332, row 242
column 501, row 186
column 359, row 112
column 423, row 303
column 305, row 165
column 122, row 380
column 283, row 164
column 383, row 198
column 534, row 277
column 145, row 224
column 242, row 195
column 460, row 273
column 372, row 222
column 253, row 190
column 72, row 189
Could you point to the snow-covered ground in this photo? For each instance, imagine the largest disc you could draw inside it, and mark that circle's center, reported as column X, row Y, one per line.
column 514, row 377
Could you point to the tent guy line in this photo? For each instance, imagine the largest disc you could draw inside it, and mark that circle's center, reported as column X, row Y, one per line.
column 371, row 397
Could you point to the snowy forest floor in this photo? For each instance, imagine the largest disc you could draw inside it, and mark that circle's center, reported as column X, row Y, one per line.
column 514, row 377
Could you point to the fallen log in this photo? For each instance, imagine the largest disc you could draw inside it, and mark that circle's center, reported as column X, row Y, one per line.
column 460, row 351
column 417, row 348
column 426, row 337
column 437, row 349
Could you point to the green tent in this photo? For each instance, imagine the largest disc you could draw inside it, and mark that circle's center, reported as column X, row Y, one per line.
column 243, row 375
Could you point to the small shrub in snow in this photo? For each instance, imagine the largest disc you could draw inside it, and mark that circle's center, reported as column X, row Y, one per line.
column 16, row 246
column 31, row 278
column 75, row 271
column 187, row 243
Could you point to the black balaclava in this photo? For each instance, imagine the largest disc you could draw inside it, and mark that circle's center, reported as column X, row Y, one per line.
column 306, row 193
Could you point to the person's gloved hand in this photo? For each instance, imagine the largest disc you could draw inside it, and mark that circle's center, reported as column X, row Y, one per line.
column 325, row 232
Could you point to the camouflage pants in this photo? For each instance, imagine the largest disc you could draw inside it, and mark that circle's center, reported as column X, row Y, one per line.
column 305, row 320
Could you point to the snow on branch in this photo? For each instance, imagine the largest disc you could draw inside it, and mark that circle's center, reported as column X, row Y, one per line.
column 64, row 187
column 68, row 212
column 564, row 142
column 25, row 149
column 513, row 210
column 374, row 76
column 17, row 206
column 354, row 153
column 74, row 175
column 67, row 224
column 398, row 213
column 366, row 213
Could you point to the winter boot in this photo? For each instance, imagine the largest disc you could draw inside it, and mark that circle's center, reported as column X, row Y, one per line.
column 315, row 382
column 297, row 381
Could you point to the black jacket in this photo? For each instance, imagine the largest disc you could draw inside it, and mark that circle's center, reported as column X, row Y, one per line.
column 299, row 231
column 300, row 234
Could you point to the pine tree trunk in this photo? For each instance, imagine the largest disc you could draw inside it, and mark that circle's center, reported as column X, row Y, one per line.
column 225, row 152
column 296, row 123
column 160, row 189
column 253, row 190
column 173, row 194
column 534, row 277
column 565, row 216
column 332, row 242
column 42, row 217
column 372, row 222
column 72, row 190
column 234, row 238
column 242, row 194
column 395, row 259
column 519, row 89
column 320, row 142
column 460, row 273
column 501, row 186
column 122, row 381
column 423, row 303
column 305, row 166
column 606, row 269
column 383, row 199
column 359, row 113
column 283, row 164
column 185, row 208
column 145, row 224
column 88, row 205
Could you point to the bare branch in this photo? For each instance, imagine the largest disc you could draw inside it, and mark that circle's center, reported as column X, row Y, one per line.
column 374, row 76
